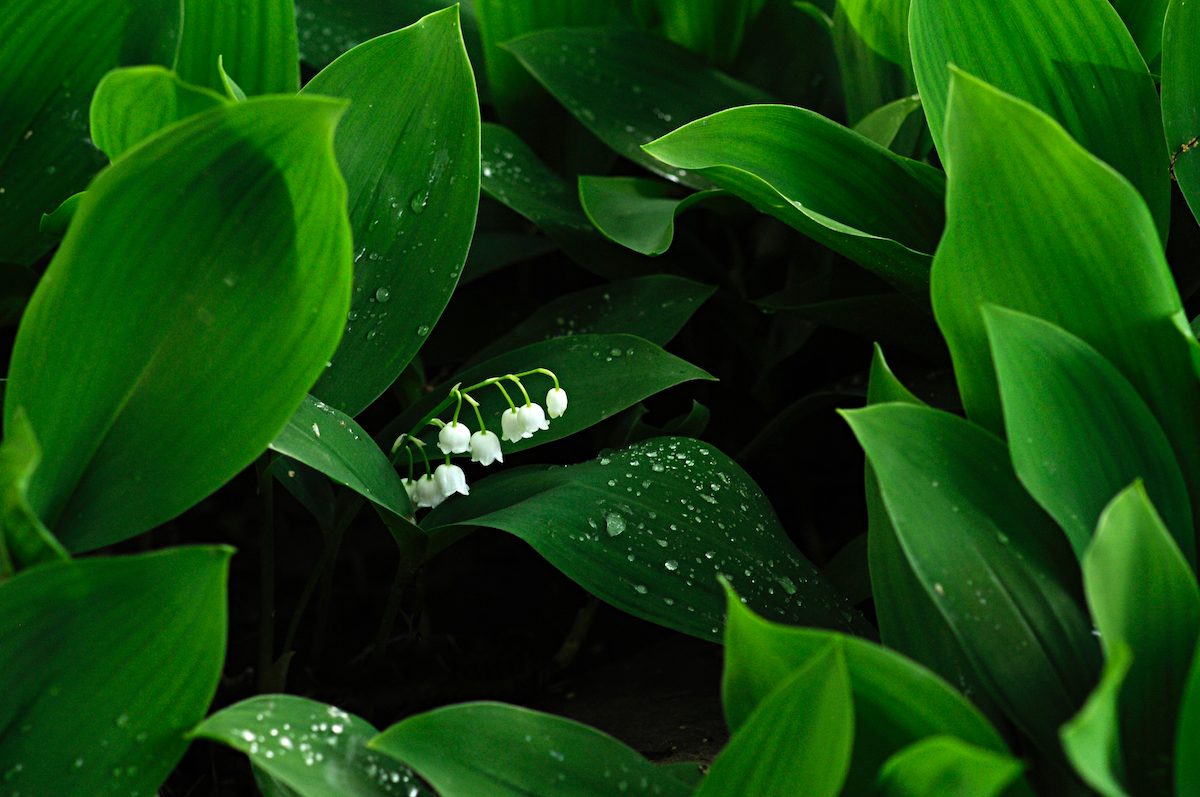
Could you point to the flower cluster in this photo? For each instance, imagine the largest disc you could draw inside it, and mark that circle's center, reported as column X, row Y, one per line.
column 517, row 423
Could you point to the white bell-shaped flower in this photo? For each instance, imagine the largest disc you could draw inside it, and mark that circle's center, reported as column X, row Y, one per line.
column 533, row 419
column 450, row 480
column 556, row 402
column 454, row 438
column 485, row 448
column 410, row 487
column 510, row 424
column 428, row 492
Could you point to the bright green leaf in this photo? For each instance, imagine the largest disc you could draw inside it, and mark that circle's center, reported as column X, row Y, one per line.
column 107, row 662
column 798, row 740
column 24, row 541
column 1094, row 85
column 493, row 749
column 1143, row 595
column 997, row 568
column 256, row 42
column 53, row 56
column 409, row 151
column 649, row 528
column 313, row 749
column 947, row 767
column 637, row 213
column 1181, row 97
column 1092, row 737
column 884, row 124
column 139, row 346
column 135, row 103
column 837, row 187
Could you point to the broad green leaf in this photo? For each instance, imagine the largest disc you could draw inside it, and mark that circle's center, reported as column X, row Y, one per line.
column 712, row 28
column 1187, row 740
column 409, row 151
column 602, row 375
column 870, row 39
column 1144, row 20
column 896, row 701
column 313, row 749
column 1180, row 97
column 24, row 541
column 333, row 443
column 882, row 24
column 839, row 188
column 629, row 87
column 498, row 750
column 53, row 56
column 908, row 618
column 947, row 767
column 514, row 176
column 883, row 125
column 139, row 345
column 637, row 213
column 1092, row 738
column 1075, row 247
column 107, row 662
column 1078, row 432
column 649, row 528
column 798, row 739
column 256, row 42
column 1096, row 86
column 1143, row 595
column 997, row 568
column 135, row 103
column 654, row 308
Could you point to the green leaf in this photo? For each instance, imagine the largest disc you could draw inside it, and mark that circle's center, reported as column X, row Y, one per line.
column 649, row 528
column 1092, row 737
column 837, row 187
column 996, row 567
column 1143, row 595
column 57, row 221
column 330, row 441
column 870, row 39
column 409, row 150
column 798, row 740
column 908, row 617
column 654, row 307
column 474, row 749
column 54, row 54
column 1144, row 20
column 1096, row 86
column 649, row 88
column 712, row 28
column 1076, row 247
column 1187, row 741
column 602, row 374
column 328, row 28
column 256, row 42
column 24, row 541
column 637, row 213
column 314, row 749
column 884, row 124
column 135, row 103
column 1180, row 106
column 882, row 24
column 1078, row 431
column 947, row 767
column 896, row 701
column 138, row 345
column 106, row 663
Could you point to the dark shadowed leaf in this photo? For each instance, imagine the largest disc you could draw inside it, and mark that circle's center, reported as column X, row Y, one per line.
column 256, row 43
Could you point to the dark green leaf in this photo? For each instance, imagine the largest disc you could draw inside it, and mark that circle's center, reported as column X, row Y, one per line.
column 1187, row 764
column 712, row 28
column 54, row 54
column 947, row 767
column 996, row 567
column 16, row 286
column 135, row 103
column 638, row 214
column 797, row 740
column 839, row 188
column 493, row 749
column 139, row 346
column 1143, row 595
column 255, row 41
column 884, row 124
column 331, row 441
column 1076, row 247
column 629, row 87
column 106, row 664
column 24, row 541
column 1092, row 737
column 1095, row 85
column 313, row 749
column 1180, row 98
column 328, row 28
column 409, row 152
column 870, row 38
column 57, row 221
column 881, row 317
column 649, row 528
column 1144, row 19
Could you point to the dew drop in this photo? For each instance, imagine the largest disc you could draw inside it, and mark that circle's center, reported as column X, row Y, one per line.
column 614, row 523
column 382, row 295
